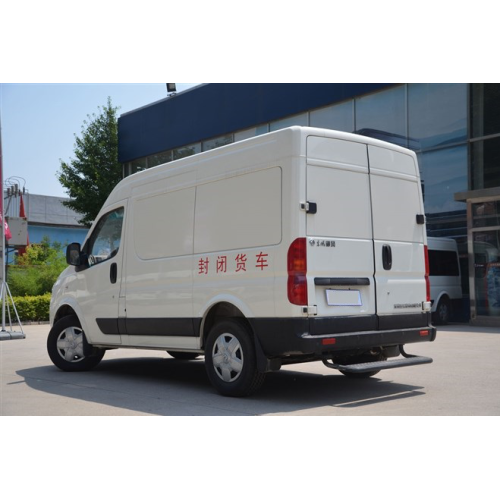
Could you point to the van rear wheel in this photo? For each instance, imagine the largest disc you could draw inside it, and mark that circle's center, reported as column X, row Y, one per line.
column 68, row 348
column 230, row 359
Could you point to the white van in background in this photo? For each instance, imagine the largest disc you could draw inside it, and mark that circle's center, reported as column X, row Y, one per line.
column 445, row 279
column 298, row 245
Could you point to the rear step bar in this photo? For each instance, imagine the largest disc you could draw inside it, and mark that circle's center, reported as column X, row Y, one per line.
column 408, row 360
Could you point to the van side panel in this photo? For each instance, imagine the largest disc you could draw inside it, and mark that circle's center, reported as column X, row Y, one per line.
column 216, row 246
column 237, row 229
column 160, row 266
column 240, row 212
column 172, row 217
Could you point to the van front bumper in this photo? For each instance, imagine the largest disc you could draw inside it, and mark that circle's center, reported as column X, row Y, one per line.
column 320, row 337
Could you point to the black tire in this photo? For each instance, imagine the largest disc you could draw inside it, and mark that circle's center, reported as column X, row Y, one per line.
column 184, row 356
column 364, row 358
column 359, row 375
column 68, row 348
column 230, row 359
column 443, row 311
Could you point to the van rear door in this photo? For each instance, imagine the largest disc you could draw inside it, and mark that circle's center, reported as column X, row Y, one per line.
column 365, row 255
column 399, row 235
column 340, row 264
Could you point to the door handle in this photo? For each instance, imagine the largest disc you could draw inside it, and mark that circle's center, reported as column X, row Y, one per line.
column 113, row 273
column 387, row 257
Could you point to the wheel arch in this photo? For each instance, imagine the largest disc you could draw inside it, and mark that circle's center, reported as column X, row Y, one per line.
column 69, row 309
column 217, row 312
column 443, row 295
column 64, row 310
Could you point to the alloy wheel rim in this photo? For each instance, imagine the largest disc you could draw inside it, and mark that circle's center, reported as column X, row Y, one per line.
column 70, row 344
column 227, row 357
column 443, row 312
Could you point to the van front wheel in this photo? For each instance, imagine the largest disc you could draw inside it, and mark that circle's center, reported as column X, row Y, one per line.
column 68, row 348
column 230, row 359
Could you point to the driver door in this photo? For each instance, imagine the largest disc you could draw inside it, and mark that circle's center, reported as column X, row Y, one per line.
column 100, row 281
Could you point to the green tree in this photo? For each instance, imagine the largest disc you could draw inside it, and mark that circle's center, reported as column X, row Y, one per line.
column 95, row 171
column 37, row 270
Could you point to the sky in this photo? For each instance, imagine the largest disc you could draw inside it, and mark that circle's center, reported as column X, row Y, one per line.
column 39, row 123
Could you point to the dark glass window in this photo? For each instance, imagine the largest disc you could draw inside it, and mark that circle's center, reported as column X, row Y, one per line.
column 486, row 163
column 138, row 165
column 336, row 117
column 437, row 114
column 190, row 150
column 485, row 109
column 251, row 132
column 159, row 159
column 444, row 173
column 217, row 142
column 486, row 214
column 443, row 263
column 300, row 119
column 383, row 116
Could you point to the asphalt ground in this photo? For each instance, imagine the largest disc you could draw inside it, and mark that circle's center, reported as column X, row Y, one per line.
column 464, row 380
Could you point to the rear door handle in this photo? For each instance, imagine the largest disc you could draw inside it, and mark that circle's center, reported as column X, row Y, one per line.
column 113, row 273
column 387, row 257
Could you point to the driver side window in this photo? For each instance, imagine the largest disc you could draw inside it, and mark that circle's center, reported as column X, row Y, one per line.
column 105, row 240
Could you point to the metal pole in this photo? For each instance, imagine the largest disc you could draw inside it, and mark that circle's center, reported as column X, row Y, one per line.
column 2, row 204
column 5, row 292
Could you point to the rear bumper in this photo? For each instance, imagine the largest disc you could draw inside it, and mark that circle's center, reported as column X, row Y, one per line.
column 320, row 337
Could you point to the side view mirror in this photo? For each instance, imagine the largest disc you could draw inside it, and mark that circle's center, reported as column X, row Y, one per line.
column 73, row 254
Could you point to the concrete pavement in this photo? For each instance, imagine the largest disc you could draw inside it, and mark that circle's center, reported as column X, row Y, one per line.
column 463, row 380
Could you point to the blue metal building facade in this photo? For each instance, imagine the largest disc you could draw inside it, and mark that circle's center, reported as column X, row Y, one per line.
column 217, row 109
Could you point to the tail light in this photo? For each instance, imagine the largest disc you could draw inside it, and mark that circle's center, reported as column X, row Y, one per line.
column 427, row 280
column 297, row 271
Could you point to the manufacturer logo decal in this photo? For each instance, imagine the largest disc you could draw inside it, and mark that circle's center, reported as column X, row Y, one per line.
column 321, row 243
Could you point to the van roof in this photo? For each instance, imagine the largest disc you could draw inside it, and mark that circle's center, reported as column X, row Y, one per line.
column 123, row 188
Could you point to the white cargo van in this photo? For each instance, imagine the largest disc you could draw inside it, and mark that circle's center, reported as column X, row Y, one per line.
column 445, row 279
column 299, row 245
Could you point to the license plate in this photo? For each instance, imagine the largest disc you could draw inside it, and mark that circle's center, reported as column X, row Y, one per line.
column 343, row 298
